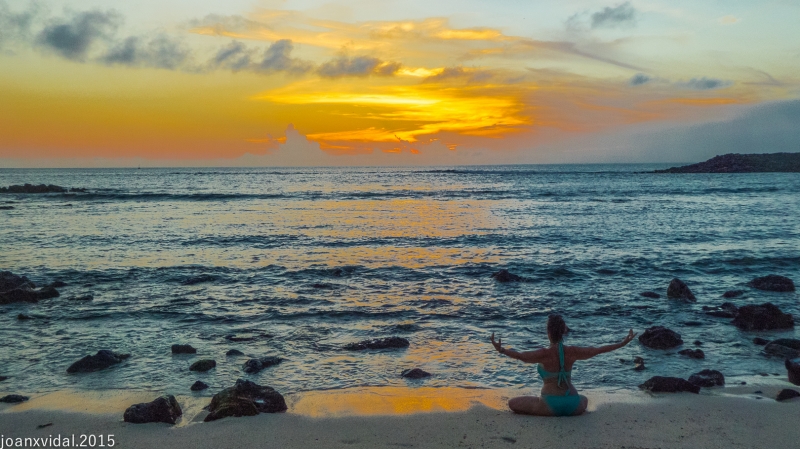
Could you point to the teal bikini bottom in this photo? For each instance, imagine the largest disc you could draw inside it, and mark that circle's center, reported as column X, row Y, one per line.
column 562, row 405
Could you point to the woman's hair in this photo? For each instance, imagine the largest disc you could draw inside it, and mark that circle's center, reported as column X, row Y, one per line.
column 556, row 327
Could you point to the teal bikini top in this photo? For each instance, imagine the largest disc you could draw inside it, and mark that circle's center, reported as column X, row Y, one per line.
column 563, row 375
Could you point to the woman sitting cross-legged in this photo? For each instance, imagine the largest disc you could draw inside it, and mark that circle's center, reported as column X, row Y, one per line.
column 559, row 397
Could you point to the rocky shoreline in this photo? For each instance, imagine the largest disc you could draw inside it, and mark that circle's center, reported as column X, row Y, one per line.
column 743, row 163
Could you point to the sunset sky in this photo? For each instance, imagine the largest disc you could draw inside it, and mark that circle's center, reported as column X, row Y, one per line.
column 356, row 82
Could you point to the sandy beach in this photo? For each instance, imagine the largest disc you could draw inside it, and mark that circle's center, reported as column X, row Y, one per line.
column 731, row 417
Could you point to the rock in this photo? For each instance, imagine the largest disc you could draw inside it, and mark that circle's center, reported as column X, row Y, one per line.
column 81, row 298
column 415, row 373
column 707, row 378
column 787, row 394
column 764, row 317
column 10, row 281
column 693, row 353
column 378, row 343
column 164, row 409
column 203, row 365
column 506, row 276
column 234, row 352
column 14, row 399
column 183, row 349
column 760, row 341
column 102, row 360
column 639, row 364
column 245, row 398
column 793, row 368
column 18, row 295
column 725, row 310
column 733, row 294
column 773, row 283
column 15, row 288
column 198, row 386
column 659, row 384
column 677, row 289
column 47, row 293
column 22, row 317
column 29, row 188
column 58, row 284
column 2, row 378
column 742, row 163
column 253, row 366
column 787, row 348
column 659, row 337
column 698, row 343
column 653, row 295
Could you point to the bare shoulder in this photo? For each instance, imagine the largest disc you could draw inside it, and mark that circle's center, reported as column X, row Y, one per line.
column 534, row 356
column 579, row 352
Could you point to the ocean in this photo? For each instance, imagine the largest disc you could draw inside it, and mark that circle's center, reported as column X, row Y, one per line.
column 298, row 262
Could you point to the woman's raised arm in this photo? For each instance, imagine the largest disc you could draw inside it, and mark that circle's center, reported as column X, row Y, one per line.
column 588, row 353
column 527, row 356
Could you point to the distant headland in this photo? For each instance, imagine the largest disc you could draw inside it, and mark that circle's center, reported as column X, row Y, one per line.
column 743, row 163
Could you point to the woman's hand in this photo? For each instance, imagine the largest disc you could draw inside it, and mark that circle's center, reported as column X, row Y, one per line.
column 497, row 344
column 628, row 337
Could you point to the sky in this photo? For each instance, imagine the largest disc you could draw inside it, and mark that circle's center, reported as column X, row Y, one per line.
column 356, row 82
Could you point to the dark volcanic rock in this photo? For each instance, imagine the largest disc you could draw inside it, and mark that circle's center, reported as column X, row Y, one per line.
column 30, row 188
column 255, row 365
column 660, row 337
column 639, row 362
column 760, row 341
column 773, row 283
column 764, row 317
column 102, row 360
column 15, row 288
column 164, row 409
column 415, row 373
column 245, row 398
column 14, row 399
column 198, row 386
column 787, row 394
column 58, row 284
column 378, row 343
column 234, row 352
column 505, row 276
column 793, row 368
column 183, row 349
column 653, row 295
column 23, row 317
column 2, row 378
column 203, row 365
column 787, row 348
column 10, row 281
column 18, row 295
column 743, row 163
column 733, row 294
column 659, row 384
column 677, row 289
column 693, row 353
column 707, row 378
column 726, row 310
column 47, row 293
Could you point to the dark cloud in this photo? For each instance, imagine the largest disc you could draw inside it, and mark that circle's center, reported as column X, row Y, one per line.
column 621, row 15
column 161, row 52
column 236, row 56
column 357, row 66
column 277, row 58
column 72, row 38
column 17, row 25
column 639, row 79
column 706, row 83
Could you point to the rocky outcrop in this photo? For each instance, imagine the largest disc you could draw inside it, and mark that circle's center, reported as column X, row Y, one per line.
column 102, row 360
column 234, row 352
column 677, row 289
column 787, row 394
column 164, row 409
column 793, row 369
column 773, row 283
column 760, row 341
column 693, row 353
column 14, row 288
column 10, row 281
column 30, row 188
column 505, row 276
column 726, row 310
column 767, row 316
column 653, row 295
column 415, row 373
column 198, row 386
column 183, row 349
column 14, row 399
column 659, row 337
column 743, row 163
column 787, row 348
column 659, row 384
column 708, row 378
column 378, row 343
column 638, row 364
column 253, row 366
column 245, row 398
column 733, row 294
column 203, row 365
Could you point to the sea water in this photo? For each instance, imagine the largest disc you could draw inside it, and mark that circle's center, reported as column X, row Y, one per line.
column 297, row 263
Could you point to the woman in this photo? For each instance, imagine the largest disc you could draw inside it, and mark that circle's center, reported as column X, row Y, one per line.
column 559, row 397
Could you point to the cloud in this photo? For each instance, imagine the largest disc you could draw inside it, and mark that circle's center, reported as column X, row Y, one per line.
column 728, row 20
column 705, row 83
column 73, row 38
column 357, row 66
column 235, row 56
column 277, row 58
column 16, row 26
column 619, row 16
column 454, row 73
column 161, row 52
column 639, row 79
